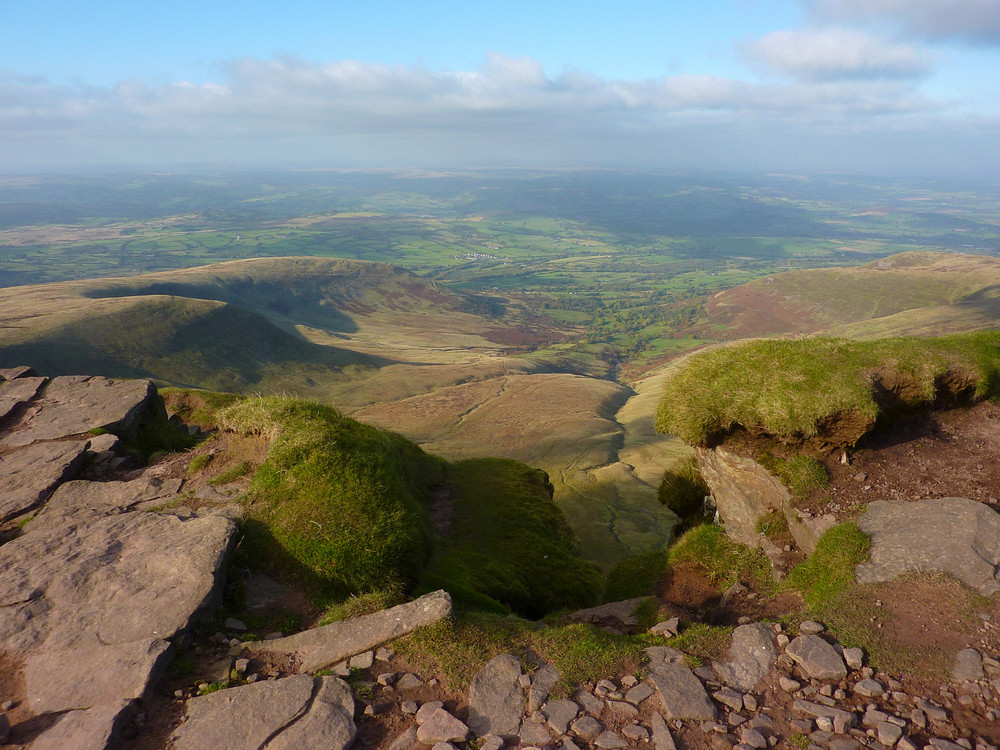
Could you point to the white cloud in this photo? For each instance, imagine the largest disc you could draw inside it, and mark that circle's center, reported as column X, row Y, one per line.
column 827, row 54
column 972, row 20
column 509, row 111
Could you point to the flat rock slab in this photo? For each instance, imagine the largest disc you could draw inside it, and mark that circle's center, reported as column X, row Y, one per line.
column 953, row 535
column 817, row 658
column 29, row 475
column 119, row 579
column 15, row 393
column 13, row 373
column 74, row 404
column 79, row 500
column 295, row 712
column 335, row 642
column 682, row 694
column 753, row 653
column 496, row 701
column 91, row 729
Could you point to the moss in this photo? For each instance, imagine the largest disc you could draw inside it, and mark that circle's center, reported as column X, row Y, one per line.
column 725, row 562
column 829, row 570
column 830, row 388
column 635, row 576
column 232, row 474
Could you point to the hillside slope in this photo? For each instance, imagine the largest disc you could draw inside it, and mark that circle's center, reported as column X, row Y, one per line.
column 918, row 293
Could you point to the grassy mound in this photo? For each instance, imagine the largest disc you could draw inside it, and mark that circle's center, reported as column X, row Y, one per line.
column 508, row 541
column 340, row 503
column 683, row 490
column 825, row 388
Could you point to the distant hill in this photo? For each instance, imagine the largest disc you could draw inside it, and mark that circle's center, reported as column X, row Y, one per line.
column 918, row 293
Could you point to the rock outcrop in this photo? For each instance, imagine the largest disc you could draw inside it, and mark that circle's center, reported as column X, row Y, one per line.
column 93, row 589
column 952, row 534
column 744, row 491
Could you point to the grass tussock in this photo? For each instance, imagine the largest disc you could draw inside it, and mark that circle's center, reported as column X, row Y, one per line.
column 802, row 475
column 508, row 542
column 339, row 503
column 635, row 576
column 724, row 561
column 829, row 570
column 827, row 387
column 459, row 648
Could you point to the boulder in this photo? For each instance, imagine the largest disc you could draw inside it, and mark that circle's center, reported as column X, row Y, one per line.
column 682, row 694
column 337, row 641
column 752, row 653
column 495, row 698
column 968, row 665
column 30, row 475
column 441, row 726
column 294, row 712
column 74, row 404
column 744, row 491
column 906, row 537
column 818, row 659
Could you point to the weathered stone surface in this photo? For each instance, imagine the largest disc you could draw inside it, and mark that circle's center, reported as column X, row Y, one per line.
column 331, row 643
column 682, row 694
column 68, row 679
column 639, row 693
column 75, row 404
column 752, row 653
column 78, row 500
column 329, row 722
column 13, row 373
column 587, row 727
column 119, row 579
column 608, row 740
column 407, row 741
column 495, row 698
column 842, row 720
column 614, row 613
column 817, row 658
column 295, row 712
column 906, row 537
column 869, row 688
column 662, row 739
column 661, row 656
column 560, row 713
column 90, row 729
column 744, row 491
column 542, row 681
column 442, row 727
column 428, row 708
column 968, row 665
column 15, row 393
column 533, row 733
column 28, row 476
column 588, row 701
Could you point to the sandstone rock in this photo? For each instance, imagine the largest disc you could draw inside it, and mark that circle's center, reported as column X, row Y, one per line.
column 407, row 741
column 78, row 501
column 744, row 491
column 559, row 714
column 753, row 738
column 15, row 393
column 854, row 658
column 635, row 732
column 408, row 682
column 660, row 656
column 588, row 702
column 667, row 628
column 682, row 694
column 817, row 658
column 294, row 712
column 73, row 405
column 906, row 537
column 533, row 733
column 28, row 476
column 842, row 720
column 753, row 653
column 90, row 729
column 888, row 733
column 662, row 739
column 13, row 373
column 608, row 740
column 495, row 698
column 968, row 665
column 364, row 660
column 425, row 711
column 442, row 727
column 542, row 681
column 492, row 742
column 619, row 614
column 586, row 727
column 810, row 627
column 639, row 693
column 331, row 643
column 869, row 688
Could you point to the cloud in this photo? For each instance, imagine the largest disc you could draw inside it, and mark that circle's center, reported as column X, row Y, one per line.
column 976, row 21
column 828, row 54
column 509, row 111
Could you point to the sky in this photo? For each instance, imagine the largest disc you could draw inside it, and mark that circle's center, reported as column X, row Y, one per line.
column 865, row 86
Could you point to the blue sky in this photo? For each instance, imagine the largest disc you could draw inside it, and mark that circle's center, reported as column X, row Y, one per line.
column 847, row 85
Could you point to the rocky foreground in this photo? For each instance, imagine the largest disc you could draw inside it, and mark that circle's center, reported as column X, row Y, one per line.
column 106, row 574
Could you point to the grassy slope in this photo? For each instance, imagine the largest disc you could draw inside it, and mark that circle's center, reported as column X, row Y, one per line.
column 347, row 508
column 938, row 284
column 833, row 389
